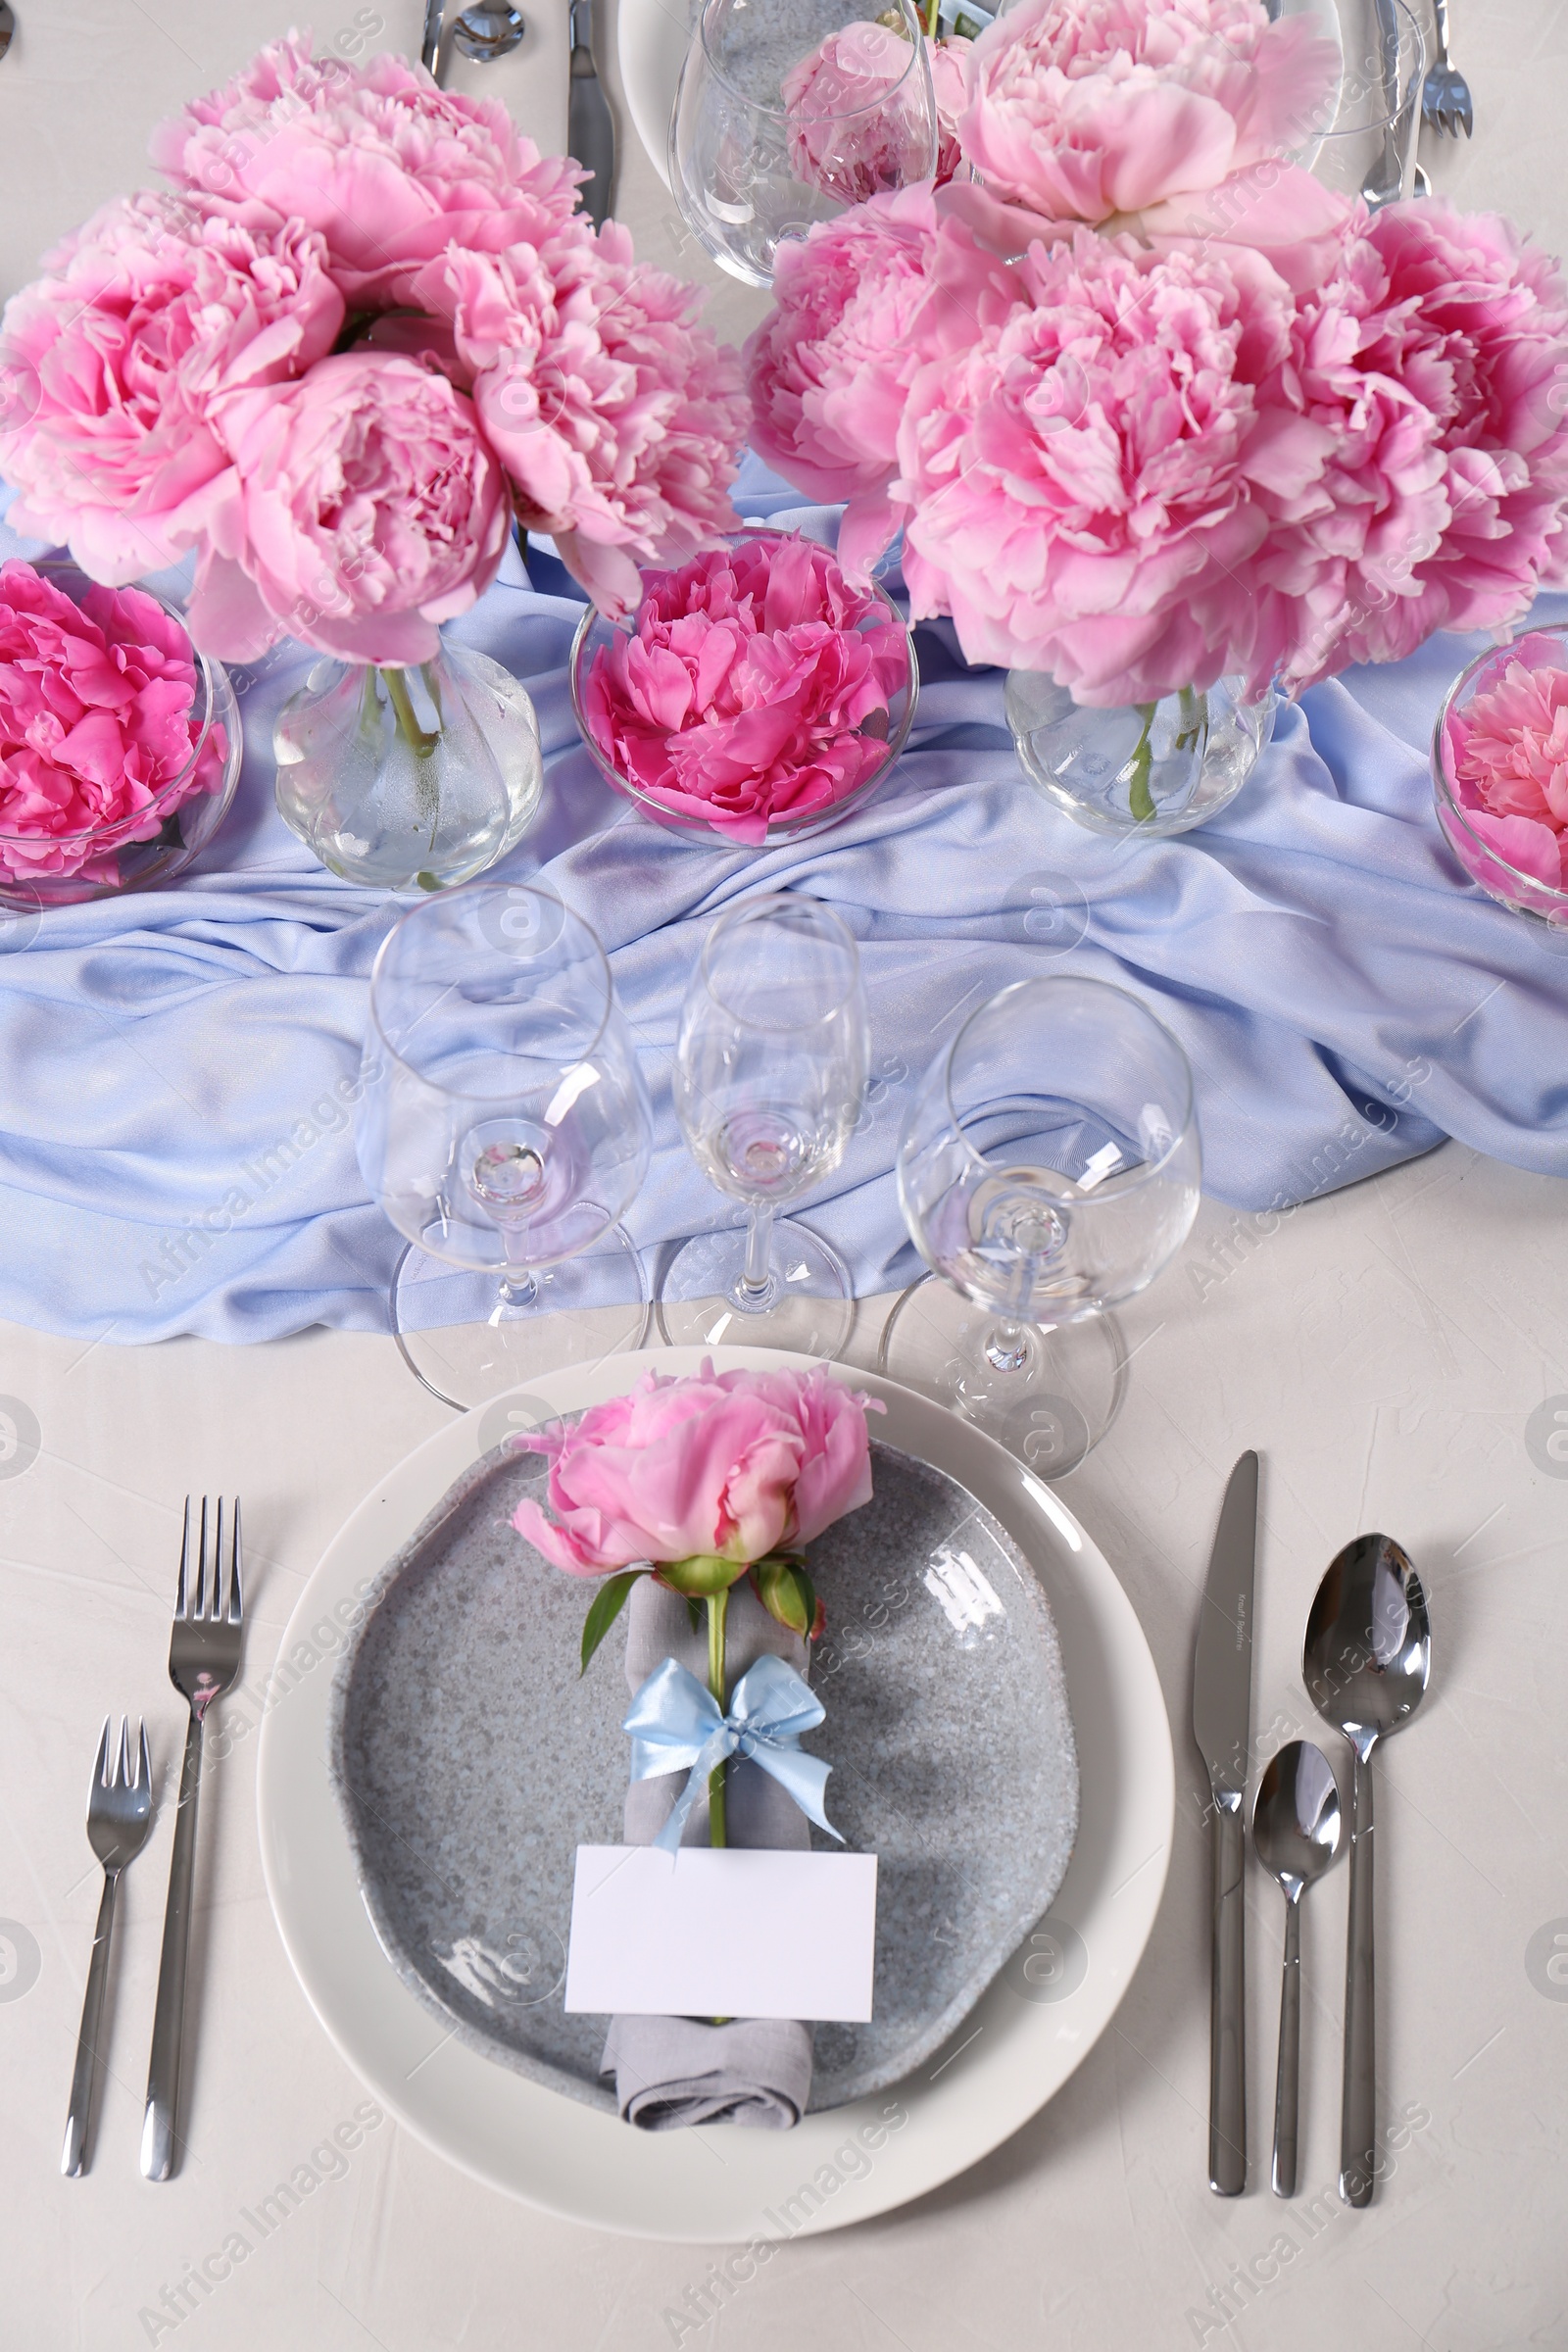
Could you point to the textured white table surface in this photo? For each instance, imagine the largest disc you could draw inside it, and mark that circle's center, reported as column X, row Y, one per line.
column 1398, row 1352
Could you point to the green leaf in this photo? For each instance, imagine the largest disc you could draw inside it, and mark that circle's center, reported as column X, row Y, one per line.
column 607, row 1604
column 789, row 1595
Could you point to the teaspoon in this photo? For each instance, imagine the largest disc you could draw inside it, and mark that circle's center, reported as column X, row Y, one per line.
column 1295, row 1834
column 1365, row 1664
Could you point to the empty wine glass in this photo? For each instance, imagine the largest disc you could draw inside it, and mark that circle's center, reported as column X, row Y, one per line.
column 504, row 1127
column 788, row 111
column 770, row 1071
column 1048, row 1167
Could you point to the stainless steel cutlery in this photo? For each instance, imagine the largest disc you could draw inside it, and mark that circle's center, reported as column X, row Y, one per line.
column 1295, row 1833
column 119, row 1814
column 204, row 1655
column 1222, row 1698
column 1446, row 105
column 1365, row 1664
column 590, row 132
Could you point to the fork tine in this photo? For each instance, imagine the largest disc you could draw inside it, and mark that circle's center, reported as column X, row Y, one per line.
column 200, row 1609
column 180, row 1609
column 100, row 1771
column 144, row 1768
column 236, row 1602
column 215, row 1590
column 124, row 1751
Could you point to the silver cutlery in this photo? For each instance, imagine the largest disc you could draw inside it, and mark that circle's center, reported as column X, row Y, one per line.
column 485, row 33
column 1296, row 1836
column 204, row 1654
column 8, row 26
column 1365, row 1664
column 590, row 132
column 1222, row 1699
column 1446, row 105
column 430, row 44
column 119, row 1814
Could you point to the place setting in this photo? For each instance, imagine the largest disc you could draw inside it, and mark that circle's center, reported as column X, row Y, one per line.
column 742, row 929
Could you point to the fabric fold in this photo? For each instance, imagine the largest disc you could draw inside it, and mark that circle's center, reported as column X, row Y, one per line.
column 674, row 2072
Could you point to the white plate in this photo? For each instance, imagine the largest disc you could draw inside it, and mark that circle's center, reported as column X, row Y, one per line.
column 1011, row 2053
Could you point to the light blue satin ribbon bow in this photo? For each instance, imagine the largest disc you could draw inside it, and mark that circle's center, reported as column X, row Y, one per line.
column 675, row 1722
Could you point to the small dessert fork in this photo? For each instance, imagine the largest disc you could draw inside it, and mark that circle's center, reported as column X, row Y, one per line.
column 119, row 1814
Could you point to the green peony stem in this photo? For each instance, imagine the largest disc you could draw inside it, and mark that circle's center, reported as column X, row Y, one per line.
column 1140, row 799
column 409, row 727
column 717, row 1611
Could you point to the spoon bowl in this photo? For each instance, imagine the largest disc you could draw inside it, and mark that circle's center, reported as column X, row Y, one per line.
column 1295, row 1832
column 485, row 33
column 1365, row 1662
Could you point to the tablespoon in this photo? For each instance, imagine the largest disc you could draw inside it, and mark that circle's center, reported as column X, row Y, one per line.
column 1295, row 1834
column 485, row 32
column 1365, row 1664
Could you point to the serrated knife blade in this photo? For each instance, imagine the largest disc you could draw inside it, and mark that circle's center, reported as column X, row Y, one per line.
column 1222, row 1708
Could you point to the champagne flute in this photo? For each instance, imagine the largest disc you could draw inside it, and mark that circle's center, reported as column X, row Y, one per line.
column 1047, row 1168
column 770, row 1070
column 504, row 1127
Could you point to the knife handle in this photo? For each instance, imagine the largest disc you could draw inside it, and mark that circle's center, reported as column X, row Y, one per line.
column 1227, row 2026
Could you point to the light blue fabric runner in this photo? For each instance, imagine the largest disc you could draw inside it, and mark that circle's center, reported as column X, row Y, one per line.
column 181, row 1059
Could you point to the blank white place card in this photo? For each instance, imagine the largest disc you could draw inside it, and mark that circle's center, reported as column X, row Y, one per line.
column 728, row 1931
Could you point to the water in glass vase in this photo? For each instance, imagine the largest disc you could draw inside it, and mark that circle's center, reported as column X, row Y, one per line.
column 1141, row 769
column 408, row 778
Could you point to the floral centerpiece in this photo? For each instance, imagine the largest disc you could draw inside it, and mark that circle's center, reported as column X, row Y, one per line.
column 1151, row 405
column 1500, row 772
column 364, row 328
column 699, row 1482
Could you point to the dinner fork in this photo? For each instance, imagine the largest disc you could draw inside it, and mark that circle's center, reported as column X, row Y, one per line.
column 1446, row 94
column 204, row 1652
column 119, row 1814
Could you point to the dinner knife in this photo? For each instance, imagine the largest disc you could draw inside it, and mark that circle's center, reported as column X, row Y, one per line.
column 590, row 132
column 1222, row 1699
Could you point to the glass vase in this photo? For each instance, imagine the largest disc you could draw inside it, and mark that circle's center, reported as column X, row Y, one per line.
column 1146, row 769
column 408, row 778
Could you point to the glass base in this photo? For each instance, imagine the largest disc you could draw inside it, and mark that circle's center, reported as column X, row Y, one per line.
column 808, row 1306
column 1140, row 771
column 1050, row 1397
column 467, row 1343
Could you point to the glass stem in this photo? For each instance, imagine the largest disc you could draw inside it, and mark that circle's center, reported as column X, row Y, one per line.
column 518, row 1290
column 1007, row 1347
column 759, row 1239
column 717, row 1611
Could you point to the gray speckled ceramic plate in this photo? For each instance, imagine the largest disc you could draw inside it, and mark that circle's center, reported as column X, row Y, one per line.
column 470, row 1761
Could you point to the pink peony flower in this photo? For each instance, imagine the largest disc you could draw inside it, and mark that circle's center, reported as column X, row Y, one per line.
column 150, row 313
column 1433, row 363
column 860, row 305
column 1093, row 482
column 730, row 1466
column 1081, row 109
column 390, row 170
column 1506, row 751
column 619, row 418
column 754, row 684
column 96, row 728
column 366, row 510
column 856, row 114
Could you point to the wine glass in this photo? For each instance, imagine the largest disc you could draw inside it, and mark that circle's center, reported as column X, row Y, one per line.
column 770, row 1070
column 787, row 115
column 1047, row 1168
column 1365, row 143
column 504, row 1127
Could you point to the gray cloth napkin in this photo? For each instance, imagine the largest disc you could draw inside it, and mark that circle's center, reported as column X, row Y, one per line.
column 673, row 2072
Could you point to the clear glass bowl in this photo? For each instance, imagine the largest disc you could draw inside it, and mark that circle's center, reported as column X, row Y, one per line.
column 594, row 632
column 1510, row 885
column 153, row 844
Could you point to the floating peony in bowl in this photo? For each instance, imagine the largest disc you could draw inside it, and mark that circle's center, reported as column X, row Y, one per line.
column 1499, row 771
column 119, row 744
column 753, row 697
